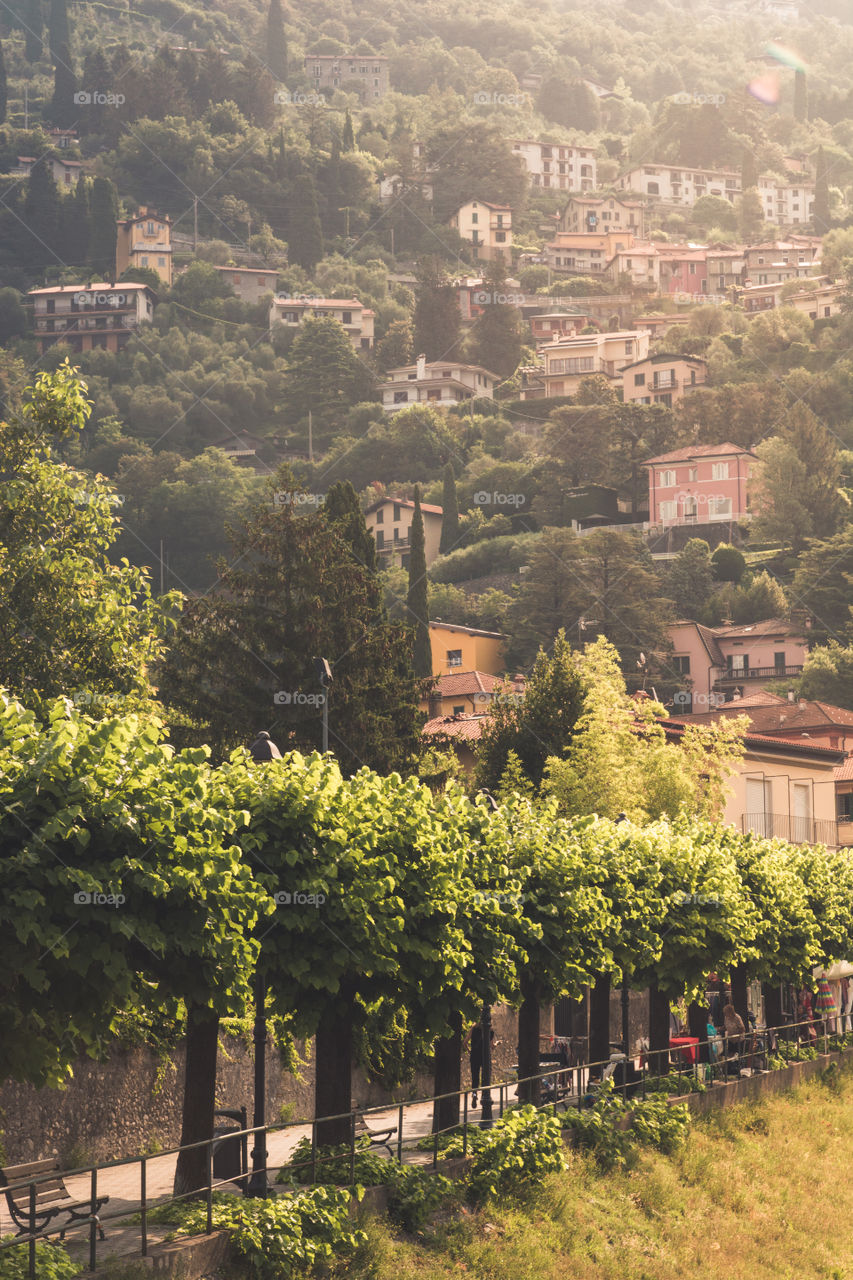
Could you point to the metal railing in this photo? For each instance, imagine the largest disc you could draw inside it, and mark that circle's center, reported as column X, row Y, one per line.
column 787, row 826
column 560, row 1088
column 735, row 674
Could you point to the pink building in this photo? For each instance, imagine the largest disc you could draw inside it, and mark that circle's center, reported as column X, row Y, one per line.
column 720, row 663
column 700, row 484
column 683, row 270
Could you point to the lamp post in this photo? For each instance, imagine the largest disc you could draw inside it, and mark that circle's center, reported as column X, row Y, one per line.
column 325, row 677
column 486, row 1030
column 263, row 748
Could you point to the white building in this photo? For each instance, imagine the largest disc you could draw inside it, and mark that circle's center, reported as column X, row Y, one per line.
column 349, row 312
column 785, row 203
column 440, row 383
column 558, row 165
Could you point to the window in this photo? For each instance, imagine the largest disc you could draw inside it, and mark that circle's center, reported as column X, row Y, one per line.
column 500, row 237
column 666, row 479
column 454, row 657
column 668, row 511
column 380, row 539
column 719, row 508
column 401, row 397
column 682, row 664
column 844, row 807
column 459, row 711
column 380, row 516
column 690, row 510
column 144, row 259
column 629, row 347
column 691, row 268
column 759, row 802
column 475, row 218
column 346, row 317
column 150, row 229
column 779, row 661
column 161, row 262
column 639, row 379
column 691, row 474
column 396, row 511
column 719, row 471
column 574, row 364
column 653, row 189
column 801, row 817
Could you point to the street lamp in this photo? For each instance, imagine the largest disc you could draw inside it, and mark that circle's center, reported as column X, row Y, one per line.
column 486, row 1030
column 263, row 748
column 324, row 675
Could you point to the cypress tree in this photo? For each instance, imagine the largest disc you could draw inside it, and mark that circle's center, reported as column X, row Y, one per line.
column 417, row 606
column 75, row 223
column 42, row 213
column 33, row 31
column 801, row 97
column 103, row 232
column 63, row 109
column 276, row 41
column 304, row 234
column 450, row 519
column 59, row 32
column 343, row 511
column 348, row 138
column 3, row 86
column 821, row 215
column 436, row 318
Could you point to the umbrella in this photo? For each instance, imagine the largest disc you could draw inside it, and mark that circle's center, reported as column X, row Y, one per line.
column 826, row 1006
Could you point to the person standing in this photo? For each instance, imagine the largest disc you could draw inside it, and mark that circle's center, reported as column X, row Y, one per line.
column 474, row 1044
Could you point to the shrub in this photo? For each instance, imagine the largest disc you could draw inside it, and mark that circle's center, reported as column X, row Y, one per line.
column 333, row 1165
column 282, row 1237
column 496, row 555
column 523, row 1148
column 52, row 1263
column 653, row 1122
column 415, row 1195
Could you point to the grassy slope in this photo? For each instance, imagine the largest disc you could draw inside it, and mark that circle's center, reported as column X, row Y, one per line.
column 758, row 1193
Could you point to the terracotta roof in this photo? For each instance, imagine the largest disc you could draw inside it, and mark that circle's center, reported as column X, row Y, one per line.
column 844, row 772
column 748, row 631
column 763, row 741
column 699, row 451
column 405, row 502
column 463, row 728
column 463, row 683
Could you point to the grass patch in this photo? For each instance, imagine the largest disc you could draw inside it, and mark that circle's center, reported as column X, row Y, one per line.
column 741, row 1198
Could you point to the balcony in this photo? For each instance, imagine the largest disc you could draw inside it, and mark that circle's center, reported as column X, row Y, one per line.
column 736, row 675
column 402, row 545
column 785, row 826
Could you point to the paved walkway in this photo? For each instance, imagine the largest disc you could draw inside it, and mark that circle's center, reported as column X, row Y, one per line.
column 122, row 1182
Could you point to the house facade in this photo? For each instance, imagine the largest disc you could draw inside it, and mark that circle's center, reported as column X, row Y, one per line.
column 469, row 693
column 390, row 523
column 786, row 203
column 250, row 284
column 700, row 484
column 662, row 378
column 569, row 360
column 442, row 383
column 558, row 165
column 88, row 316
column 65, row 172
column 818, row 303
column 145, row 240
column 591, row 215
column 459, row 649
column 351, row 314
column 487, row 228
column 364, row 74
column 578, row 253
column 719, row 663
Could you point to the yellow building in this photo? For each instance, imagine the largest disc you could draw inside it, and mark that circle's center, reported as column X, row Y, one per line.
column 457, row 649
column 145, row 241
column 569, row 360
column 487, row 228
column 390, row 522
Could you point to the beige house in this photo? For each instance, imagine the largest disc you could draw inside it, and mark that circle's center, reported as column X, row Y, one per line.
column 570, row 360
column 459, row 693
column 558, row 165
column 817, row 303
column 390, row 522
column 594, row 214
column 145, row 240
column 85, row 317
column 460, row 649
column 366, row 74
column 785, row 203
column 442, row 383
column 641, row 262
column 487, row 228
column 349, row 312
column 250, row 283
column 65, row 172
column 579, row 252
column 662, row 378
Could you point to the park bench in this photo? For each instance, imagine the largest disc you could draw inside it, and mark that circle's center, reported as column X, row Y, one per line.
column 378, row 1137
column 52, row 1198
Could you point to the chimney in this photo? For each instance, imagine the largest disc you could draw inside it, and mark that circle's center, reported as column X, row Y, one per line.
column 421, row 367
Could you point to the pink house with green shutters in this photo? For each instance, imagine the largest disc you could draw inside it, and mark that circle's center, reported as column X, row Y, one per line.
column 700, row 484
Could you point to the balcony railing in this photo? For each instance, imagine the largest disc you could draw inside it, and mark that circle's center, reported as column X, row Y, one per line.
column 735, row 674
column 403, row 544
column 786, row 826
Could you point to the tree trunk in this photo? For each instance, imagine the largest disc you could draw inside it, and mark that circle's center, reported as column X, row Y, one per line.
column 333, row 1077
column 739, row 987
column 199, row 1099
column 658, row 1031
column 528, row 1042
column 697, row 1022
column 599, row 1021
column 447, row 1077
column 772, row 1004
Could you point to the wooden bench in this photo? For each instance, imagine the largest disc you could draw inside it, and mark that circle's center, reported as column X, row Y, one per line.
column 52, row 1198
column 378, row 1137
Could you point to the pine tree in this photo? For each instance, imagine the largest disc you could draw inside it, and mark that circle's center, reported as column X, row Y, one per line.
column 304, row 233
column 3, row 86
column 59, row 32
column 348, row 138
column 343, row 511
column 75, row 224
column 821, row 216
column 63, row 110
column 103, row 227
column 450, row 507
column 801, row 98
column 497, row 337
column 396, row 348
column 436, row 319
column 276, row 51
column 417, row 608
column 33, row 31
column 42, row 215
